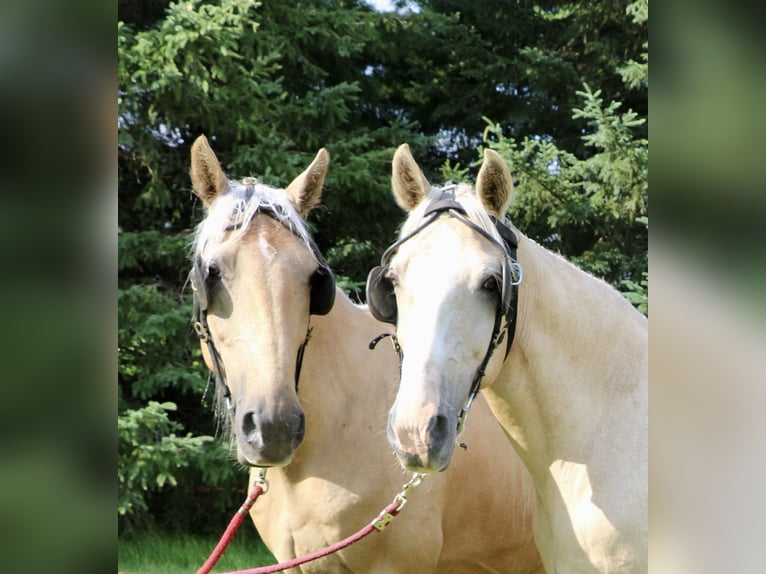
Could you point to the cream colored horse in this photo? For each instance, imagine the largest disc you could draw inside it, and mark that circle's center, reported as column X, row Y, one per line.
column 571, row 395
column 258, row 266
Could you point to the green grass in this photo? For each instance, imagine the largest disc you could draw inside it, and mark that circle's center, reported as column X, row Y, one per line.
column 163, row 553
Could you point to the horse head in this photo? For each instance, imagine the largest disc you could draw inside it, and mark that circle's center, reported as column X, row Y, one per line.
column 447, row 285
column 258, row 277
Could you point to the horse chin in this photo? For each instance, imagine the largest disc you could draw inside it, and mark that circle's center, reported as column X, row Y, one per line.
column 435, row 457
column 272, row 453
column 432, row 463
column 260, row 460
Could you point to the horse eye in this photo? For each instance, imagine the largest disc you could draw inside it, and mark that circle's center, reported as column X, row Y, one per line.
column 491, row 284
column 213, row 271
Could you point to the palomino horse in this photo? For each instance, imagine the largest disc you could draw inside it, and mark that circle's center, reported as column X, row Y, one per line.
column 263, row 286
column 571, row 390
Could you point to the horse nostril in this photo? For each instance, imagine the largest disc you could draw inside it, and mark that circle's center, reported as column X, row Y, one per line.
column 250, row 428
column 437, row 429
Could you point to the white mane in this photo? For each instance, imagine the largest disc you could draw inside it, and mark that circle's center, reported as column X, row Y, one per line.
column 237, row 205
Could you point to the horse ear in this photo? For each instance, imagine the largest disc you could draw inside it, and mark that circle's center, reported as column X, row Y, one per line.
column 208, row 179
column 305, row 191
column 409, row 184
column 494, row 185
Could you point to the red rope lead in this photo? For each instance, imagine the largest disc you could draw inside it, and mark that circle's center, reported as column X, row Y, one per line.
column 231, row 529
column 378, row 524
column 381, row 522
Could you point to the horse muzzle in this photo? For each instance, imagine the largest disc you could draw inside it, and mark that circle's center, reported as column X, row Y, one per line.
column 269, row 439
column 425, row 447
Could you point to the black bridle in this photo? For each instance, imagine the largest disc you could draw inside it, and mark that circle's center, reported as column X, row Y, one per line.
column 382, row 300
column 322, row 300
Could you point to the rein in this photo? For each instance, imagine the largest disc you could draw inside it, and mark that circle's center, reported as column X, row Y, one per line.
column 261, row 486
column 378, row 524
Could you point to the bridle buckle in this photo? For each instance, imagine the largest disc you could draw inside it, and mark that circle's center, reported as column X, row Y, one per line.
column 202, row 333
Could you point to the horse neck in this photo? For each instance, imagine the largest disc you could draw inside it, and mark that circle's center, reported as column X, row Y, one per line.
column 579, row 347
